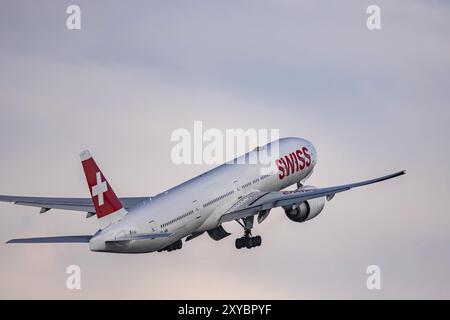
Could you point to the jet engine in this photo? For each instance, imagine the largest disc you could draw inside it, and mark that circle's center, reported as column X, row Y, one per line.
column 305, row 210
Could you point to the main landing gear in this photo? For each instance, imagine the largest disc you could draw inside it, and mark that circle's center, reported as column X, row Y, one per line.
column 247, row 241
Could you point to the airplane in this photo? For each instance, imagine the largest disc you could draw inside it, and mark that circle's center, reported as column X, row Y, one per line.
column 234, row 191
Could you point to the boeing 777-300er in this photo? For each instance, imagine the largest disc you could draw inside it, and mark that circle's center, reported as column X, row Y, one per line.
column 236, row 190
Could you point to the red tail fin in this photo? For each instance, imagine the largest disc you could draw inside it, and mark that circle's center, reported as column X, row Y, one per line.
column 107, row 206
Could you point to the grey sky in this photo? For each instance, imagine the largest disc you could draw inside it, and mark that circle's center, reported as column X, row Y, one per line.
column 372, row 102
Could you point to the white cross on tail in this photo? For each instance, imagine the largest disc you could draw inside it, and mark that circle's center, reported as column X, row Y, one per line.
column 99, row 189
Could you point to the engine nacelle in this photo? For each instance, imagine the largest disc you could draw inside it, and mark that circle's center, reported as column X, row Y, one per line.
column 306, row 210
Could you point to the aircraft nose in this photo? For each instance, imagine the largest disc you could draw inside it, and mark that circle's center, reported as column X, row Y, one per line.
column 312, row 151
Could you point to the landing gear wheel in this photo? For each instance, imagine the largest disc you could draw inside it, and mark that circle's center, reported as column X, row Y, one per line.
column 238, row 243
column 175, row 246
column 257, row 241
column 247, row 241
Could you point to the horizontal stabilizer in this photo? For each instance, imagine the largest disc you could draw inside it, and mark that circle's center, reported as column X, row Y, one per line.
column 62, row 239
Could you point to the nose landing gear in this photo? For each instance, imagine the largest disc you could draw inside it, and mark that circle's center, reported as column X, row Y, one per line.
column 247, row 241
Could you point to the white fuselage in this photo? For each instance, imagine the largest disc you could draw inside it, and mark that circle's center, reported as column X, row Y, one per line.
column 197, row 204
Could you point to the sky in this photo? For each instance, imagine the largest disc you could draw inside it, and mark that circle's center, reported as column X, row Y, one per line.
column 372, row 103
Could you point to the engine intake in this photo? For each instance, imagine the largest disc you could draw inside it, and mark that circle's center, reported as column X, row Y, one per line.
column 305, row 210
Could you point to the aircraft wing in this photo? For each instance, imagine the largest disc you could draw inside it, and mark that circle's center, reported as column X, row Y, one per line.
column 61, row 239
column 73, row 204
column 86, row 238
column 256, row 202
